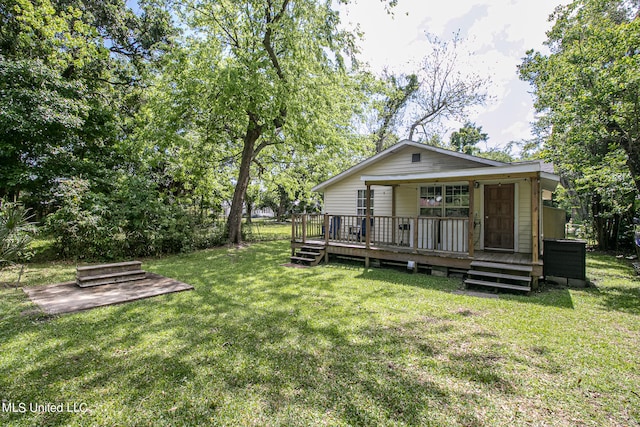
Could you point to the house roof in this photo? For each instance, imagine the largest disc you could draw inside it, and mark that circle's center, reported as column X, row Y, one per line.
column 394, row 149
column 549, row 180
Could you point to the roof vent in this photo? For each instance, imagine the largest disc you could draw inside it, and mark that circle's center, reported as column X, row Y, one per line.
column 415, row 157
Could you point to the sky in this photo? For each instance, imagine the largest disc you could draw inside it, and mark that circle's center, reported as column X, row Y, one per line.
column 496, row 33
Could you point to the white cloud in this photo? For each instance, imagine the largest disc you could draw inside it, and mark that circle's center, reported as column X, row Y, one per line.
column 498, row 32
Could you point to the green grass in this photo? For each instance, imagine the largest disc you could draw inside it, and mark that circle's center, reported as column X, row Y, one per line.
column 266, row 229
column 261, row 344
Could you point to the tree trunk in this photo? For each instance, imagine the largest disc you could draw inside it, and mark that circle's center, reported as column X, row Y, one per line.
column 234, row 221
column 249, row 204
column 282, row 205
column 633, row 162
column 412, row 129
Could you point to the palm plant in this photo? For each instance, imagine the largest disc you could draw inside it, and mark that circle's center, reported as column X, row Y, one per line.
column 16, row 232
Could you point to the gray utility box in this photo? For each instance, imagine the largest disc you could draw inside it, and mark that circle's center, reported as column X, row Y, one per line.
column 565, row 258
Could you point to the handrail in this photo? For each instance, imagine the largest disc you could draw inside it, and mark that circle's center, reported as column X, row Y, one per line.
column 447, row 234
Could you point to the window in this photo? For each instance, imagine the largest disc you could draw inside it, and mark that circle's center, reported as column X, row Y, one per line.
column 444, row 201
column 431, row 201
column 362, row 203
column 415, row 157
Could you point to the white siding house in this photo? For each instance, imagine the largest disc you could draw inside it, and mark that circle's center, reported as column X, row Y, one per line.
column 435, row 206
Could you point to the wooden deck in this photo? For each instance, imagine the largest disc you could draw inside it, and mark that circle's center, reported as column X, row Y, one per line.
column 68, row 297
column 504, row 257
column 438, row 245
column 422, row 257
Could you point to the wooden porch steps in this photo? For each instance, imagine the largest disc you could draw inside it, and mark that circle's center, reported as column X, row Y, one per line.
column 310, row 255
column 501, row 266
column 497, row 285
column 103, row 274
column 500, row 275
column 492, row 274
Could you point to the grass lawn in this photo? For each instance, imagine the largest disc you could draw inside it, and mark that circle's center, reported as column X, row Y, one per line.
column 261, row 344
column 266, row 229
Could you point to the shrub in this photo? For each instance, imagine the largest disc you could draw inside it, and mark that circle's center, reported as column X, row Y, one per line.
column 16, row 233
column 135, row 219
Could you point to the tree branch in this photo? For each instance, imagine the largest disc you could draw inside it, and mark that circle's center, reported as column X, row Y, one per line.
column 267, row 40
column 262, row 146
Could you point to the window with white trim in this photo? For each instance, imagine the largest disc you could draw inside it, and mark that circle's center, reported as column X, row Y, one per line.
column 444, row 201
column 361, row 206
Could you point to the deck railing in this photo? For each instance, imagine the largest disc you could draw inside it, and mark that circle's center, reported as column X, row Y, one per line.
column 417, row 233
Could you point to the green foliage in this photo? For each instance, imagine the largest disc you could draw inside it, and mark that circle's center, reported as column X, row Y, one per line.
column 253, row 86
column 133, row 220
column 128, row 138
column 72, row 77
column 16, row 232
column 587, row 91
column 52, row 32
column 51, row 119
column 466, row 138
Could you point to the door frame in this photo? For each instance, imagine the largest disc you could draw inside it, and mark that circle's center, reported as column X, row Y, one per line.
column 516, row 216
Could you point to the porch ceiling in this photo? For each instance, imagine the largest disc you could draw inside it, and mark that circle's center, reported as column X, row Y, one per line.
column 548, row 180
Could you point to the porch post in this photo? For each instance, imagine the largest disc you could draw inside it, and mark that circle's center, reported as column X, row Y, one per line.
column 471, row 221
column 415, row 234
column 304, row 228
column 367, row 224
column 293, row 228
column 394, row 226
column 535, row 218
column 326, row 238
column 293, row 234
column 326, row 230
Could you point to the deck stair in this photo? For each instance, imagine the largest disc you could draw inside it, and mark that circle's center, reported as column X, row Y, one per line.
column 310, row 255
column 499, row 275
column 103, row 274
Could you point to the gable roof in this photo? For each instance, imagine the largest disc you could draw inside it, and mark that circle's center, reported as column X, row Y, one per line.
column 394, row 149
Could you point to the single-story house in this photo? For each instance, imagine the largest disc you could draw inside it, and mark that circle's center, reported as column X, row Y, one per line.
column 436, row 209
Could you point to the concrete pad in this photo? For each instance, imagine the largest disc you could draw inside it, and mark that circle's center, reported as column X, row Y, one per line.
column 67, row 297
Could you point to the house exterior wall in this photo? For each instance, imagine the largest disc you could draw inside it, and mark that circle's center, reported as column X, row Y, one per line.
column 523, row 212
column 341, row 198
column 407, row 200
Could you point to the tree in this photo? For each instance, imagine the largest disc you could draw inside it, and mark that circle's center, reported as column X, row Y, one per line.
column 398, row 92
column 587, row 91
column 44, row 108
column 68, row 88
column 588, row 87
column 466, row 138
column 274, row 74
column 445, row 91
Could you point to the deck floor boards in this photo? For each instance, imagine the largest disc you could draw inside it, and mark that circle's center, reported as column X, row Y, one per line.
column 478, row 255
column 67, row 297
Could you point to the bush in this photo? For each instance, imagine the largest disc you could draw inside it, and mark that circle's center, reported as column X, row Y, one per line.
column 79, row 226
column 134, row 220
column 16, row 233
